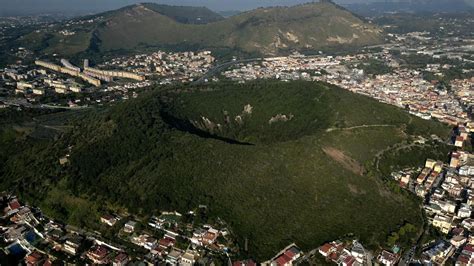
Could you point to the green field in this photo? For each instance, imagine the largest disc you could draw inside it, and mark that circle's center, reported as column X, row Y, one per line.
column 305, row 180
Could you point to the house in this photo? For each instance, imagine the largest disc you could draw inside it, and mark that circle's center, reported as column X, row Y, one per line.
column 464, row 260
column 158, row 251
column 166, row 242
column 423, row 175
column 14, row 233
column 348, row 261
column 287, row 256
column 464, row 211
column 459, row 142
column 443, row 223
column 108, row 220
column 466, row 170
column 121, row 260
column 387, row 258
column 437, row 254
column 187, row 259
column 430, row 163
column 470, row 200
column 63, row 160
column 283, row 260
column 24, row 215
column 448, row 206
column 14, row 204
column 405, row 180
column 150, row 243
column 174, row 257
column 358, row 251
column 38, row 91
column 421, row 191
column 140, row 240
column 438, row 167
column 458, row 241
column 98, row 254
column 72, row 244
column 130, row 227
column 468, row 224
column 326, row 249
column 455, row 161
column 76, row 89
column 248, row 262
column 35, row 258
column 210, row 236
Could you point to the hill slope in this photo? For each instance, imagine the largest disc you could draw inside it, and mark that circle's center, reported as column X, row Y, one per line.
column 305, row 179
column 266, row 31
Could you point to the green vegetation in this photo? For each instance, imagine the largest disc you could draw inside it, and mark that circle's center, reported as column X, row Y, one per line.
column 412, row 157
column 298, row 180
column 186, row 14
column 375, row 67
column 403, row 237
column 266, row 31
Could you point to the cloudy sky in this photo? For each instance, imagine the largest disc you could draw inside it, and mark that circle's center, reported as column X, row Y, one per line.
column 25, row 7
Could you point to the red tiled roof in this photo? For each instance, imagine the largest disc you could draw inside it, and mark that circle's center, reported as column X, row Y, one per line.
column 14, row 204
column 166, row 242
column 282, row 260
column 121, row 257
column 349, row 260
column 333, row 256
column 289, row 254
column 34, row 257
column 99, row 251
column 326, row 247
column 248, row 262
column 107, row 217
column 469, row 248
column 463, row 259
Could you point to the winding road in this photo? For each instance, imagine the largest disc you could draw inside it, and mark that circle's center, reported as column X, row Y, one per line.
column 356, row 127
column 221, row 67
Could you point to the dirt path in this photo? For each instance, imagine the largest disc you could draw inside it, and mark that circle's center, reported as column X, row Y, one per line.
column 346, row 161
column 356, row 127
column 394, row 148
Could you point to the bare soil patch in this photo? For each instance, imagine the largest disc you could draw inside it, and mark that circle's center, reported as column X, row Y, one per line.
column 343, row 159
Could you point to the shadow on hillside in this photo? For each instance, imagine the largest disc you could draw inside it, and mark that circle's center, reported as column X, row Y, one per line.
column 186, row 126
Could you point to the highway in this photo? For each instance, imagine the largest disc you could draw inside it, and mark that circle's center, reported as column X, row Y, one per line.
column 24, row 103
column 213, row 71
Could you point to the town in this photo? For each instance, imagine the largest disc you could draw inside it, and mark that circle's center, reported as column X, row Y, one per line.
column 170, row 237
column 64, row 85
column 427, row 76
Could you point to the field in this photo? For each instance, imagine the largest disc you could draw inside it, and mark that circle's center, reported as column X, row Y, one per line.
column 307, row 179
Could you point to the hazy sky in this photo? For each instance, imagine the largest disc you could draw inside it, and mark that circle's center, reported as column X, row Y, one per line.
column 8, row 7
column 25, row 7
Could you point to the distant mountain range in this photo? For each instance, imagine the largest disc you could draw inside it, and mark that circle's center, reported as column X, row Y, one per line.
column 412, row 6
column 267, row 31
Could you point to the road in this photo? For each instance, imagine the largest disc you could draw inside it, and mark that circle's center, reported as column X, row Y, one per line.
column 356, row 127
column 213, row 71
column 24, row 103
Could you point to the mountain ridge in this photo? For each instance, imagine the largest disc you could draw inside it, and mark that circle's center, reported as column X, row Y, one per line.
column 263, row 31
